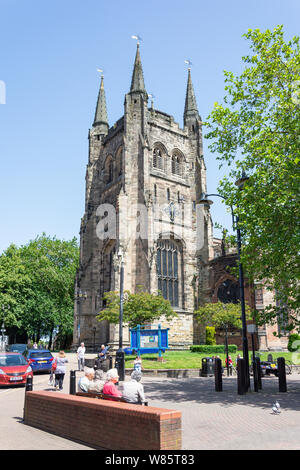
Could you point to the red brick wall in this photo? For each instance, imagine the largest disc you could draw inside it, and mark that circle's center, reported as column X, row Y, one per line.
column 102, row 424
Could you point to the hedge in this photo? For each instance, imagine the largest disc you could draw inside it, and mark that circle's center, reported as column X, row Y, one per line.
column 213, row 349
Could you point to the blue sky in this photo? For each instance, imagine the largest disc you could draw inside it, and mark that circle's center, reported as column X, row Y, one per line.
column 49, row 55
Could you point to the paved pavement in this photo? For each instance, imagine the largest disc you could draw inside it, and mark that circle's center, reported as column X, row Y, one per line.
column 211, row 420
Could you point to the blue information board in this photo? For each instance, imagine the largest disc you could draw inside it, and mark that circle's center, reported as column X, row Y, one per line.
column 143, row 340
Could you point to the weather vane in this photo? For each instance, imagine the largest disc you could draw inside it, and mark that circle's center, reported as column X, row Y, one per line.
column 188, row 62
column 100, row 71
column 138, row 38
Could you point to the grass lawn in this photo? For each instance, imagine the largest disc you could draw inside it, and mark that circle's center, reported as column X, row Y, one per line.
column 191, row 360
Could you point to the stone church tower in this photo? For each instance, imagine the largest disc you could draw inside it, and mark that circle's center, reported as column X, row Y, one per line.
column 144, row 178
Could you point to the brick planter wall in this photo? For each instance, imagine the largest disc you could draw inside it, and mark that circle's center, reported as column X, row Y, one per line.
column 104, row 424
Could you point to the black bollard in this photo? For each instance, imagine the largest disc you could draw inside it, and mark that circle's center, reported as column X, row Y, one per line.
column 73, row 382
column 241, row 376
column 281, row 374
column 29, row 385
column 120, row 364
column 110, row 362
column 218, row 375
column 258, row 368
column 255, row 375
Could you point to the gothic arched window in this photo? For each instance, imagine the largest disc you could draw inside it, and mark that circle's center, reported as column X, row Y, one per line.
column 168, row 272
column 119, row 162
column 228, row 292
column 177, row 164
column 109, row 169
column 108, row 273
column 158, row 159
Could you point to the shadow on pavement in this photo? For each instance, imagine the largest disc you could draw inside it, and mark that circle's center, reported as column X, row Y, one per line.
column 202, row 391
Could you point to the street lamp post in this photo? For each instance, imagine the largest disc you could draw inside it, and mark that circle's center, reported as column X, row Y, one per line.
column 120, row 355
column 204, row 200
column 94, row 333
column 3, row 327
column 243, row 308
column 2, row 340
column 80, row 297
column 226, row 347
column 252, row 330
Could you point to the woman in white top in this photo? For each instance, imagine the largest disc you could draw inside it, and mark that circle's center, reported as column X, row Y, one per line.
column 60, row 370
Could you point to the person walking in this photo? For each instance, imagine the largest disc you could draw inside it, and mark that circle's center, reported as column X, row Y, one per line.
column 80, row 356
column 137, row 364
column 60, row 370
column 229, row 366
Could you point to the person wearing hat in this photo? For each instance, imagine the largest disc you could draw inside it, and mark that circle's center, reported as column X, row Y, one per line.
column 133, row 391
column 60, row 370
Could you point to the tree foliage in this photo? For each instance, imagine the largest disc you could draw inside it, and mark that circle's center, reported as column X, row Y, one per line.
column 257, row 130
column 139, row 309
column 37, row 284
column 219, row 314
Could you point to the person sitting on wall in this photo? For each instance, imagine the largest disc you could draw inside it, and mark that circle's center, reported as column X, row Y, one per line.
column 133, row 391
column 84, row 382
column 98, row 383
column 102, row 355
column 110, row 388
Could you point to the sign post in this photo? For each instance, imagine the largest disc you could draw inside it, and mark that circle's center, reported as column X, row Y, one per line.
column 148, row 340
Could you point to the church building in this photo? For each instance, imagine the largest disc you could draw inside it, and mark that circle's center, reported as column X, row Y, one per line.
column 144, row 178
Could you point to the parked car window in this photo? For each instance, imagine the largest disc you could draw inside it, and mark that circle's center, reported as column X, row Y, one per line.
column 17, row 347
column 40, row 354
column 13, row 360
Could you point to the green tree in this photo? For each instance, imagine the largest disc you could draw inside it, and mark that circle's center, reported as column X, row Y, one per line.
column 257, row 130
column 210, row 335
column 219, row 314
column 139, row 308
column 37, row 283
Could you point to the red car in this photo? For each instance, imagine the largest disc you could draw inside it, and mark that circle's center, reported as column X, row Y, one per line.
column 14, row 369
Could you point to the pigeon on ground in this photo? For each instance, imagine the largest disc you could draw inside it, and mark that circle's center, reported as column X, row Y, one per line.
column 275, row 408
